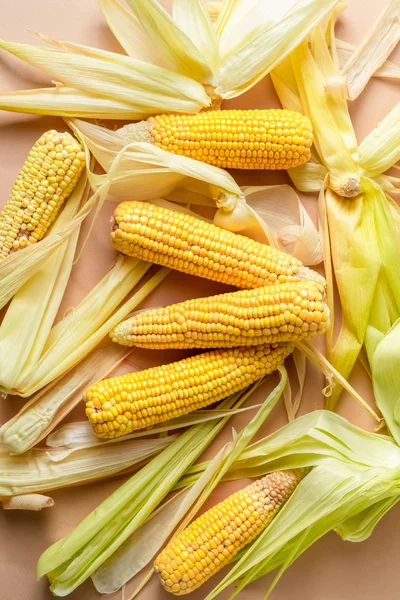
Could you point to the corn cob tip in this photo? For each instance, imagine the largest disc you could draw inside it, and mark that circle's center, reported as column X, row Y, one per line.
column 212, row 540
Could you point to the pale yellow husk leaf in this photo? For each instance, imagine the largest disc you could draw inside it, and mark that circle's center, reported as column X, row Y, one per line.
column 26, row 324
column 49, row 406
column 40, row 469
column 265, row 46
column 78, row 333
column 380, row 150
column 345, row 51
column 372, row 52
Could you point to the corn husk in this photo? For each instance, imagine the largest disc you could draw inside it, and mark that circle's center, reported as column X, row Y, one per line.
column 41, row 469
column 69, row 341
column 370, row 55
column 104, row 531
column 180, row 63
column 352, row 226
column 353, row 483
column 345, row 51
column 35, row 502
column 49, row 406
column 26, row 324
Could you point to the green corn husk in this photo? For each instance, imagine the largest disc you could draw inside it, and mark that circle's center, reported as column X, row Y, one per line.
column 354, row 481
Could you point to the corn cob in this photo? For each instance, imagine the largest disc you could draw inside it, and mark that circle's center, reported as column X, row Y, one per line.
column 212, row 540
column 49, row 175
column 123, row 404
column 231, row 139
column 284, row 312
column 183, row 242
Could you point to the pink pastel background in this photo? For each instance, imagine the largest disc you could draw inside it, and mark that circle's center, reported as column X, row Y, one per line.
column 331, row 569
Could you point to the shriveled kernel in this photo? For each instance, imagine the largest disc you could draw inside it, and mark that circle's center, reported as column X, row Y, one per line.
column 178, row 388
column 264, row 497
column 38, row 193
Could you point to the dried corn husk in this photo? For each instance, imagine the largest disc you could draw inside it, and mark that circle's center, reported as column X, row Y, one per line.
column 35, row 502
column 40, row 469
column 370, row 55
column 178, row 63
column 345, row 51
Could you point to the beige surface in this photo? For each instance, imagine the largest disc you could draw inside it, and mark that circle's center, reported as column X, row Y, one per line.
column 331, row 569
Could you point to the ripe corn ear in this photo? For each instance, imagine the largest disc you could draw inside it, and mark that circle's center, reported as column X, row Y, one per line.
column 188, row 244
column 49, row 175
column 212, row 540
column 284, row 312
column 231, row 139
column 120, row 405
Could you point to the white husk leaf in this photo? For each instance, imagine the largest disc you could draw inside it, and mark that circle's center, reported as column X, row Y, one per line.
column 380, row 150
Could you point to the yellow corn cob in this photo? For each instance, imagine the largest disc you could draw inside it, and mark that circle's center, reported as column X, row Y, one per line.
column 231, row 139
column 276, row 313
column 123, row 404
column 50, row 173
column 212, row 540
column 183, row 242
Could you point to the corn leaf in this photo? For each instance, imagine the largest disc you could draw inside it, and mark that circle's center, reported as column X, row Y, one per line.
column 372, row 52
column 129, row 33
column 273, row 41
column 176, row 47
